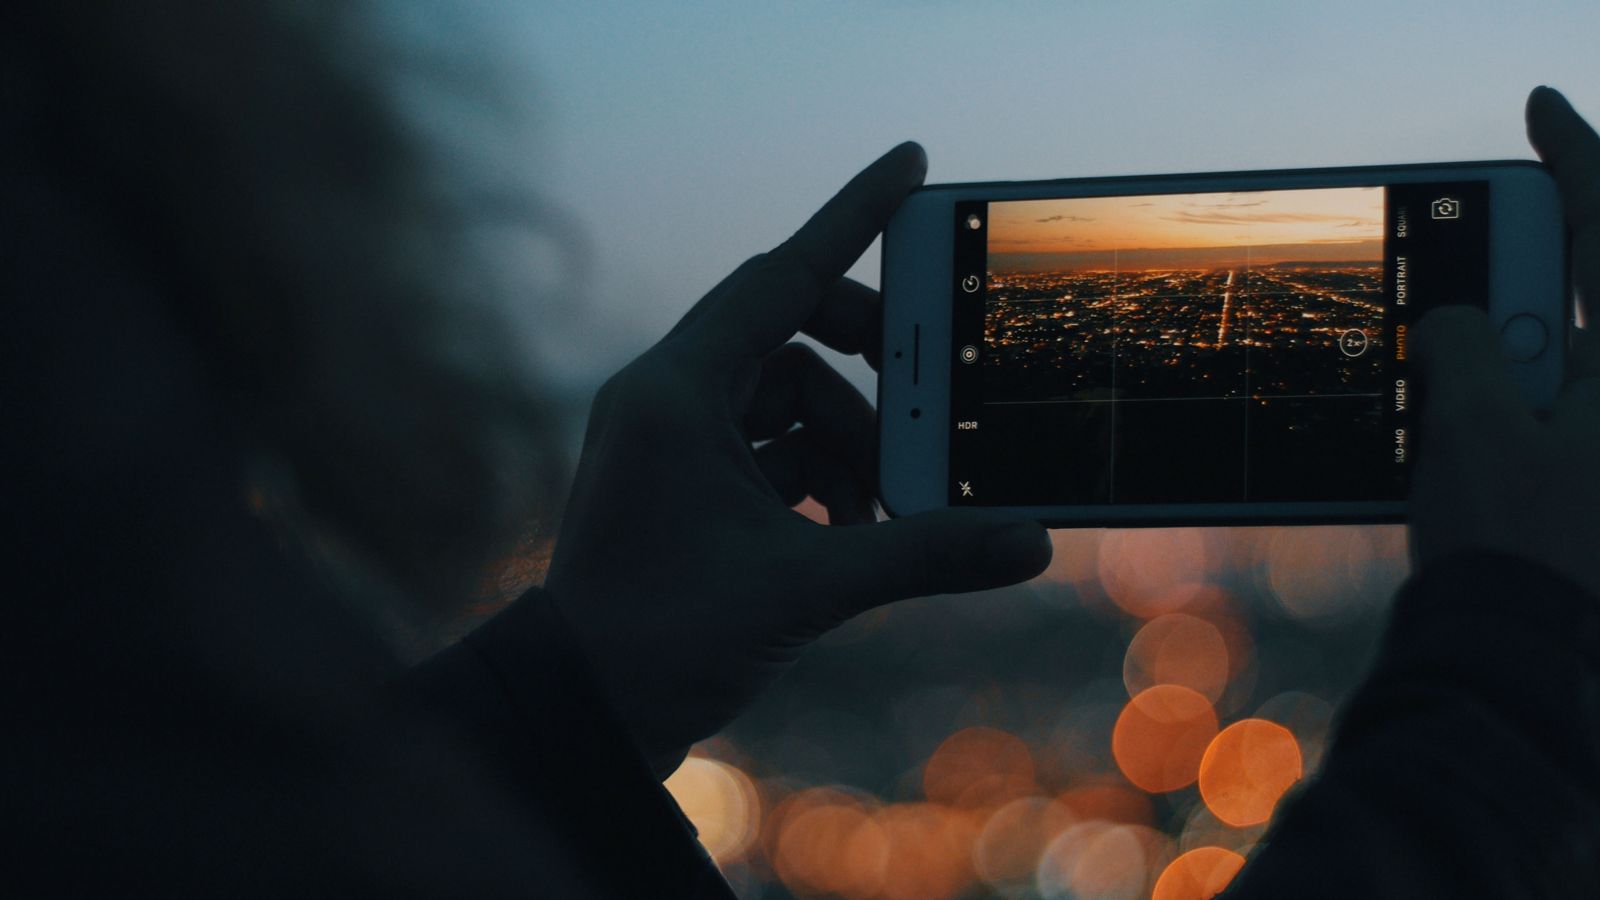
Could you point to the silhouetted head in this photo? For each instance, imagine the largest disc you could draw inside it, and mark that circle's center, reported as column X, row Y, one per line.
column 319, row 252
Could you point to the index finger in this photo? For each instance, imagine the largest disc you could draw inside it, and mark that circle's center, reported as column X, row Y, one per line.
column 780, row 291
column 1571, row 148
column 832, row 240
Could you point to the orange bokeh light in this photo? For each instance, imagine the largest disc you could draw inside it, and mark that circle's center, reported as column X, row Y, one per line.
column 1177, row 649
column 1316, row 574
column 1007, row 849
column 1076, row 557
column 1201, row 873
column 1150, row 571
column 1247, row 769
column 827, row 841
column 1161, row 736
column 1100, row 860
column 930, row 851
column 979, row 767
column 722, row 803
column 1110, row 801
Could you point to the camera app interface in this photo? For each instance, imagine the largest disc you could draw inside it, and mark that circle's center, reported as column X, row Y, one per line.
column 1199, row 348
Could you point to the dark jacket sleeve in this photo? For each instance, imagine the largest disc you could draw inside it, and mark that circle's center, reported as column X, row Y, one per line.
column 522, row 696
column 1468, row 765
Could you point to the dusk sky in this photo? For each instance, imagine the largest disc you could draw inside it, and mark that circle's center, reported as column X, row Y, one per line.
column 682, row 138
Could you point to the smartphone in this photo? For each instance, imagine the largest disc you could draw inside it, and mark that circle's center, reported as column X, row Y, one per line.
column 1188, row 349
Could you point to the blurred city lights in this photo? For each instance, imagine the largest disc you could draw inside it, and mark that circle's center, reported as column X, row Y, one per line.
column 1177, row 649
column 837, row 849
column 1076, row 557
column 1150, row 571
column 1109, row 801
column 1247, row 768
column 1198, row 874
column 1013, row 839
column 1101, row 861
column 825, row 841
column 1080, row 737
column 1161, row 736
column 979, row 767
column 930, row 851
column 722, row 803
column 1311, row 570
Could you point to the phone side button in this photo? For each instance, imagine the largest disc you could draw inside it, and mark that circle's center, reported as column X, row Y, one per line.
column 1524, row 337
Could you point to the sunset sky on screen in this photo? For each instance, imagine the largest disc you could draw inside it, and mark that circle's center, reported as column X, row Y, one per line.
column 1336, row 224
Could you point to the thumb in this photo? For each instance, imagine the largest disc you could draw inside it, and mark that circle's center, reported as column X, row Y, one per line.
column 940, row 552
column 1466, row 383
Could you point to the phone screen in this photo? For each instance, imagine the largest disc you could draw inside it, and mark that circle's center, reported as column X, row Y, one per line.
column 1199, row 348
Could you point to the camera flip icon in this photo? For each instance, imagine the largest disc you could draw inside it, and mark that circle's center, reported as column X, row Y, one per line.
column 1447, row 208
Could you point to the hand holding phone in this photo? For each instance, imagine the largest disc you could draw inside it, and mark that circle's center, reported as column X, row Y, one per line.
column 1224, row 348
column 1495, row 476
column 684, row 574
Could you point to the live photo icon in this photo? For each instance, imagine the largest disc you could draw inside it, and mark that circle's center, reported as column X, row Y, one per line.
column 1447, row 208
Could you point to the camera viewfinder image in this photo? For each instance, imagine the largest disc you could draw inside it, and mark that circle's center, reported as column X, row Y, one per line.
column 1193, row 347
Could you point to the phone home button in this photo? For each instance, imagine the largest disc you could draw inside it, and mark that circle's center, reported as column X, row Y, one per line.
column 1524, row 337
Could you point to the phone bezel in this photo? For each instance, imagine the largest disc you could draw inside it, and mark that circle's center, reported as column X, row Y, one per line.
column 1527, row 274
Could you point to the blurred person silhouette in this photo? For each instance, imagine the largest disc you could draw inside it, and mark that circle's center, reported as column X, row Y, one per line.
column 230, row 263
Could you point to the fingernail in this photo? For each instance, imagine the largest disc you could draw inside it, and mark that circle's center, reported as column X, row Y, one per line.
column 1023, row 548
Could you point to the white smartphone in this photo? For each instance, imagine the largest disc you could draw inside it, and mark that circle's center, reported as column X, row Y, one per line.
column 1212, row 348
